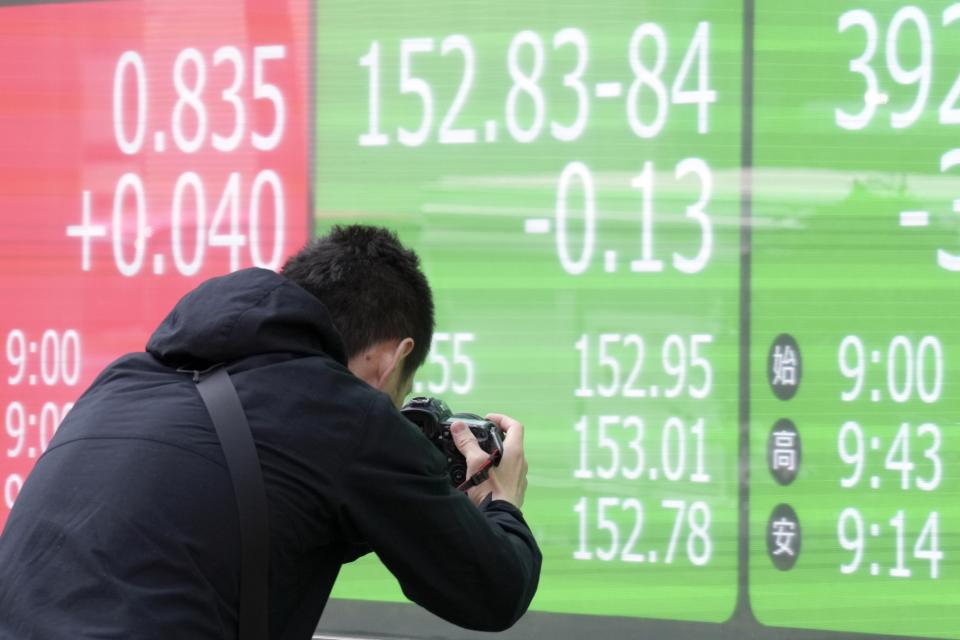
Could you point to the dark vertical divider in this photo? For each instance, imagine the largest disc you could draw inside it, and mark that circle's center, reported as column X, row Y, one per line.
column 743, row 611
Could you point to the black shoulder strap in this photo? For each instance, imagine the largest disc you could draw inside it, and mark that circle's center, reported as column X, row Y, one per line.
column 222, row 402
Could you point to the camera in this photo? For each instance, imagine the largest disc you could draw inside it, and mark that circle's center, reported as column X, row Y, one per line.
column 433, row 417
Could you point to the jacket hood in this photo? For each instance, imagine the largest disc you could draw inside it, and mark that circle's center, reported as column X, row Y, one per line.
column 245, row 313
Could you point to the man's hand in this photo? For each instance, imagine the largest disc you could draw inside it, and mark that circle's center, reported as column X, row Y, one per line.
column 508, row 481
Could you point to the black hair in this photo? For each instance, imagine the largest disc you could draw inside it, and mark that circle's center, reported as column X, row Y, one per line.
column 372, row 286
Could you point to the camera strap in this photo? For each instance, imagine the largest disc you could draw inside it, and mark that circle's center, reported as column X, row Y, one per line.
column 480, row 476
column 223, row 404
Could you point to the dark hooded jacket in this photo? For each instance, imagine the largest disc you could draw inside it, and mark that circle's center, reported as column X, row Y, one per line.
column 127, row 527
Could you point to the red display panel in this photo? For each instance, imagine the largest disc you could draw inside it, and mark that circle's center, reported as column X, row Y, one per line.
column 142, row 150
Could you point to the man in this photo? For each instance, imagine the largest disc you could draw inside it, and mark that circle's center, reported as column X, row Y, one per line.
column 128, row 528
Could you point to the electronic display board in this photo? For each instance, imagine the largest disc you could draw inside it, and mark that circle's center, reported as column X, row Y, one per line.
column 532, row 169
column 708, row 252
column 856, row 318
column 143, row 149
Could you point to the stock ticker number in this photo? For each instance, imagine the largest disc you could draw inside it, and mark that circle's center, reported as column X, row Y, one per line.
column 909, row 25
column 229, row 214
column 649, row 96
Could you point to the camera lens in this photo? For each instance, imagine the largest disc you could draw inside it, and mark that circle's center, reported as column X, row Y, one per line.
column 458, row 474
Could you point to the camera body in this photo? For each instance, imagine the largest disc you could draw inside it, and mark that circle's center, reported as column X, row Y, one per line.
column 433, row 417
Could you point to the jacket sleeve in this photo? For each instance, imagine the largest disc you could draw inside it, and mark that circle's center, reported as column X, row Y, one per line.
column 477, row 568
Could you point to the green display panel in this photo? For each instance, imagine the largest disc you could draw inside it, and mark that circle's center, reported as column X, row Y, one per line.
column 855, row 271
column 570, row 176
column 709, row 254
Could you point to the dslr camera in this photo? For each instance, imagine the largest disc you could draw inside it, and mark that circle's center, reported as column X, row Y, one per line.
column 433, row 417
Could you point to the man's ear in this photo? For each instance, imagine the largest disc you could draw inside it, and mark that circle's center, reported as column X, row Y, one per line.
column 392, row 360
